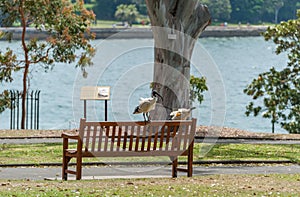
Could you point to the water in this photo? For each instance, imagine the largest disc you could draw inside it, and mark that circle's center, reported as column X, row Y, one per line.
column 126, row 66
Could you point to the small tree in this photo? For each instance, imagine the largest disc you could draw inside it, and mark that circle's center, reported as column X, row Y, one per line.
column 198, row 86
column 4, row 101
column 127, row 13
column 67, row 26
column 280, row 90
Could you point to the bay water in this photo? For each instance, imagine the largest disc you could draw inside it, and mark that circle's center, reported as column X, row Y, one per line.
column 229, row 64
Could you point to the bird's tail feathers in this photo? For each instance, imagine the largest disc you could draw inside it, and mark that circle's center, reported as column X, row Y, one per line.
column 136, row 110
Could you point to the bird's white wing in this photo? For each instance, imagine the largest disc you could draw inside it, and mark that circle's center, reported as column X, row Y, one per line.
column 142, row 100
column 145, row 105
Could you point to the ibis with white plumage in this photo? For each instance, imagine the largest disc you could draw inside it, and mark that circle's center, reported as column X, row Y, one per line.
column 147, row 104
column 181, row 113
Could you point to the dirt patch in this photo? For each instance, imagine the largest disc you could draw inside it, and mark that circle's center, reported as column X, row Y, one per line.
column 33, row 133
column 208, row 131
column 230, row 185
column 202, row 131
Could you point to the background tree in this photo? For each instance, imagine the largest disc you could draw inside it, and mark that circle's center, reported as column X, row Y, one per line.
column 176, row 26
column 220, row 10
column 233, row 11
column 127, row 13
column 67, row 26
column 271, row 10
column 280, row 90
column 247, row 11
column 289, row 10
column 105, row 9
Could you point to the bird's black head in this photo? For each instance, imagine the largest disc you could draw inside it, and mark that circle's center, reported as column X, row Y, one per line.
column 155, row 94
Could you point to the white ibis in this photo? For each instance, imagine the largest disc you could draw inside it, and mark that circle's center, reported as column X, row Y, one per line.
column 147, row 104
column 181, row 114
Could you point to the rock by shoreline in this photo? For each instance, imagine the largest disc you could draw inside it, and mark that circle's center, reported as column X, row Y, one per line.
column 145, row 33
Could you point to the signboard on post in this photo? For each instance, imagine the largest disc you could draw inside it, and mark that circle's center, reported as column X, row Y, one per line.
column 95, row 93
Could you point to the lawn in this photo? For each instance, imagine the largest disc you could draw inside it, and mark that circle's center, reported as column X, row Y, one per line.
column 52, row 153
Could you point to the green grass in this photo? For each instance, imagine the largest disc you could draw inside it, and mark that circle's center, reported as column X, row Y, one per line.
column 214, row 185
column 250, row 152
column 109, row 24
column 49, row 153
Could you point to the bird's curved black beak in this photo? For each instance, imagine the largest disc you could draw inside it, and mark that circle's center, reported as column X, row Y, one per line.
column 155, row 93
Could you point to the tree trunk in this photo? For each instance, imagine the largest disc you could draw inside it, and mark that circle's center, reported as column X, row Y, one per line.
column 26, row 67
column 176, row 26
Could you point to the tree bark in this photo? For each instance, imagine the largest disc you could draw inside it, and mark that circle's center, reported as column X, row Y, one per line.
column 176, row 26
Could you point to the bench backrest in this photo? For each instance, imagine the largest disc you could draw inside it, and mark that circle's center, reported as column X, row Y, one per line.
column 137, row 136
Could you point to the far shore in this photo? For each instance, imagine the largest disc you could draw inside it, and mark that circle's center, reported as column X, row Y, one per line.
column 146, row 33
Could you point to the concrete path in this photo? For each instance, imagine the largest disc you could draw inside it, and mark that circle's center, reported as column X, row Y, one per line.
column 206, row 140
column 54, row 173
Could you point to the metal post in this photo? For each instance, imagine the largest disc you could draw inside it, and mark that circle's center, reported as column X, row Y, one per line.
column 18, row 104
column 105, row 110
column 84, row 109
column 26, row 108
column 38, row 110
column 31, row 110
column 12, row 97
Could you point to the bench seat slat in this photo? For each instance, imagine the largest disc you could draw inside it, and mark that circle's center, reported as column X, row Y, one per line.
column 132, row 153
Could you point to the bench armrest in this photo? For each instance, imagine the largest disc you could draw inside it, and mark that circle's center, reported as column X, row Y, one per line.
column 70, row 136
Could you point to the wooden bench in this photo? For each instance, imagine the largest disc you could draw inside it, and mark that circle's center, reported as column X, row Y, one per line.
column 129, row 139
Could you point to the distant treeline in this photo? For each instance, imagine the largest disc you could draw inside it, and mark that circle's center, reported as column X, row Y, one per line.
column 232, row 11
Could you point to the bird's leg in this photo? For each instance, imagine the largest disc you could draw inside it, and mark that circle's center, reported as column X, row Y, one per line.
column 144, row 118
column 148, row 116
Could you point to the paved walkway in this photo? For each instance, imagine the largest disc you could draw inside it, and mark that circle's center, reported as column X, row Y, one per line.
column 53, row 173
column 206, row 140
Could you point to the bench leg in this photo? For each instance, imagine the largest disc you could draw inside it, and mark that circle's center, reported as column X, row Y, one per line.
column 78, row 168
column 174, row 167
column 190, row 162
column 66, row 161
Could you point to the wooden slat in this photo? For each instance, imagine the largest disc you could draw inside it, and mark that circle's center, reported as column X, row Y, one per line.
column 112, row 140
column 161, row 140
column 87, row 139
column 125, row 137
column 107, row 128
column 143, row 138
column 150, row 138
column 155, row 138
column 70, row 171
column 186, row 137
column 100, row 138
column 132, row 153
column 119, row 138
column 168, row 137
column 182, row 169
column 137, row 138
column 94, row 138
column 131, row 138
